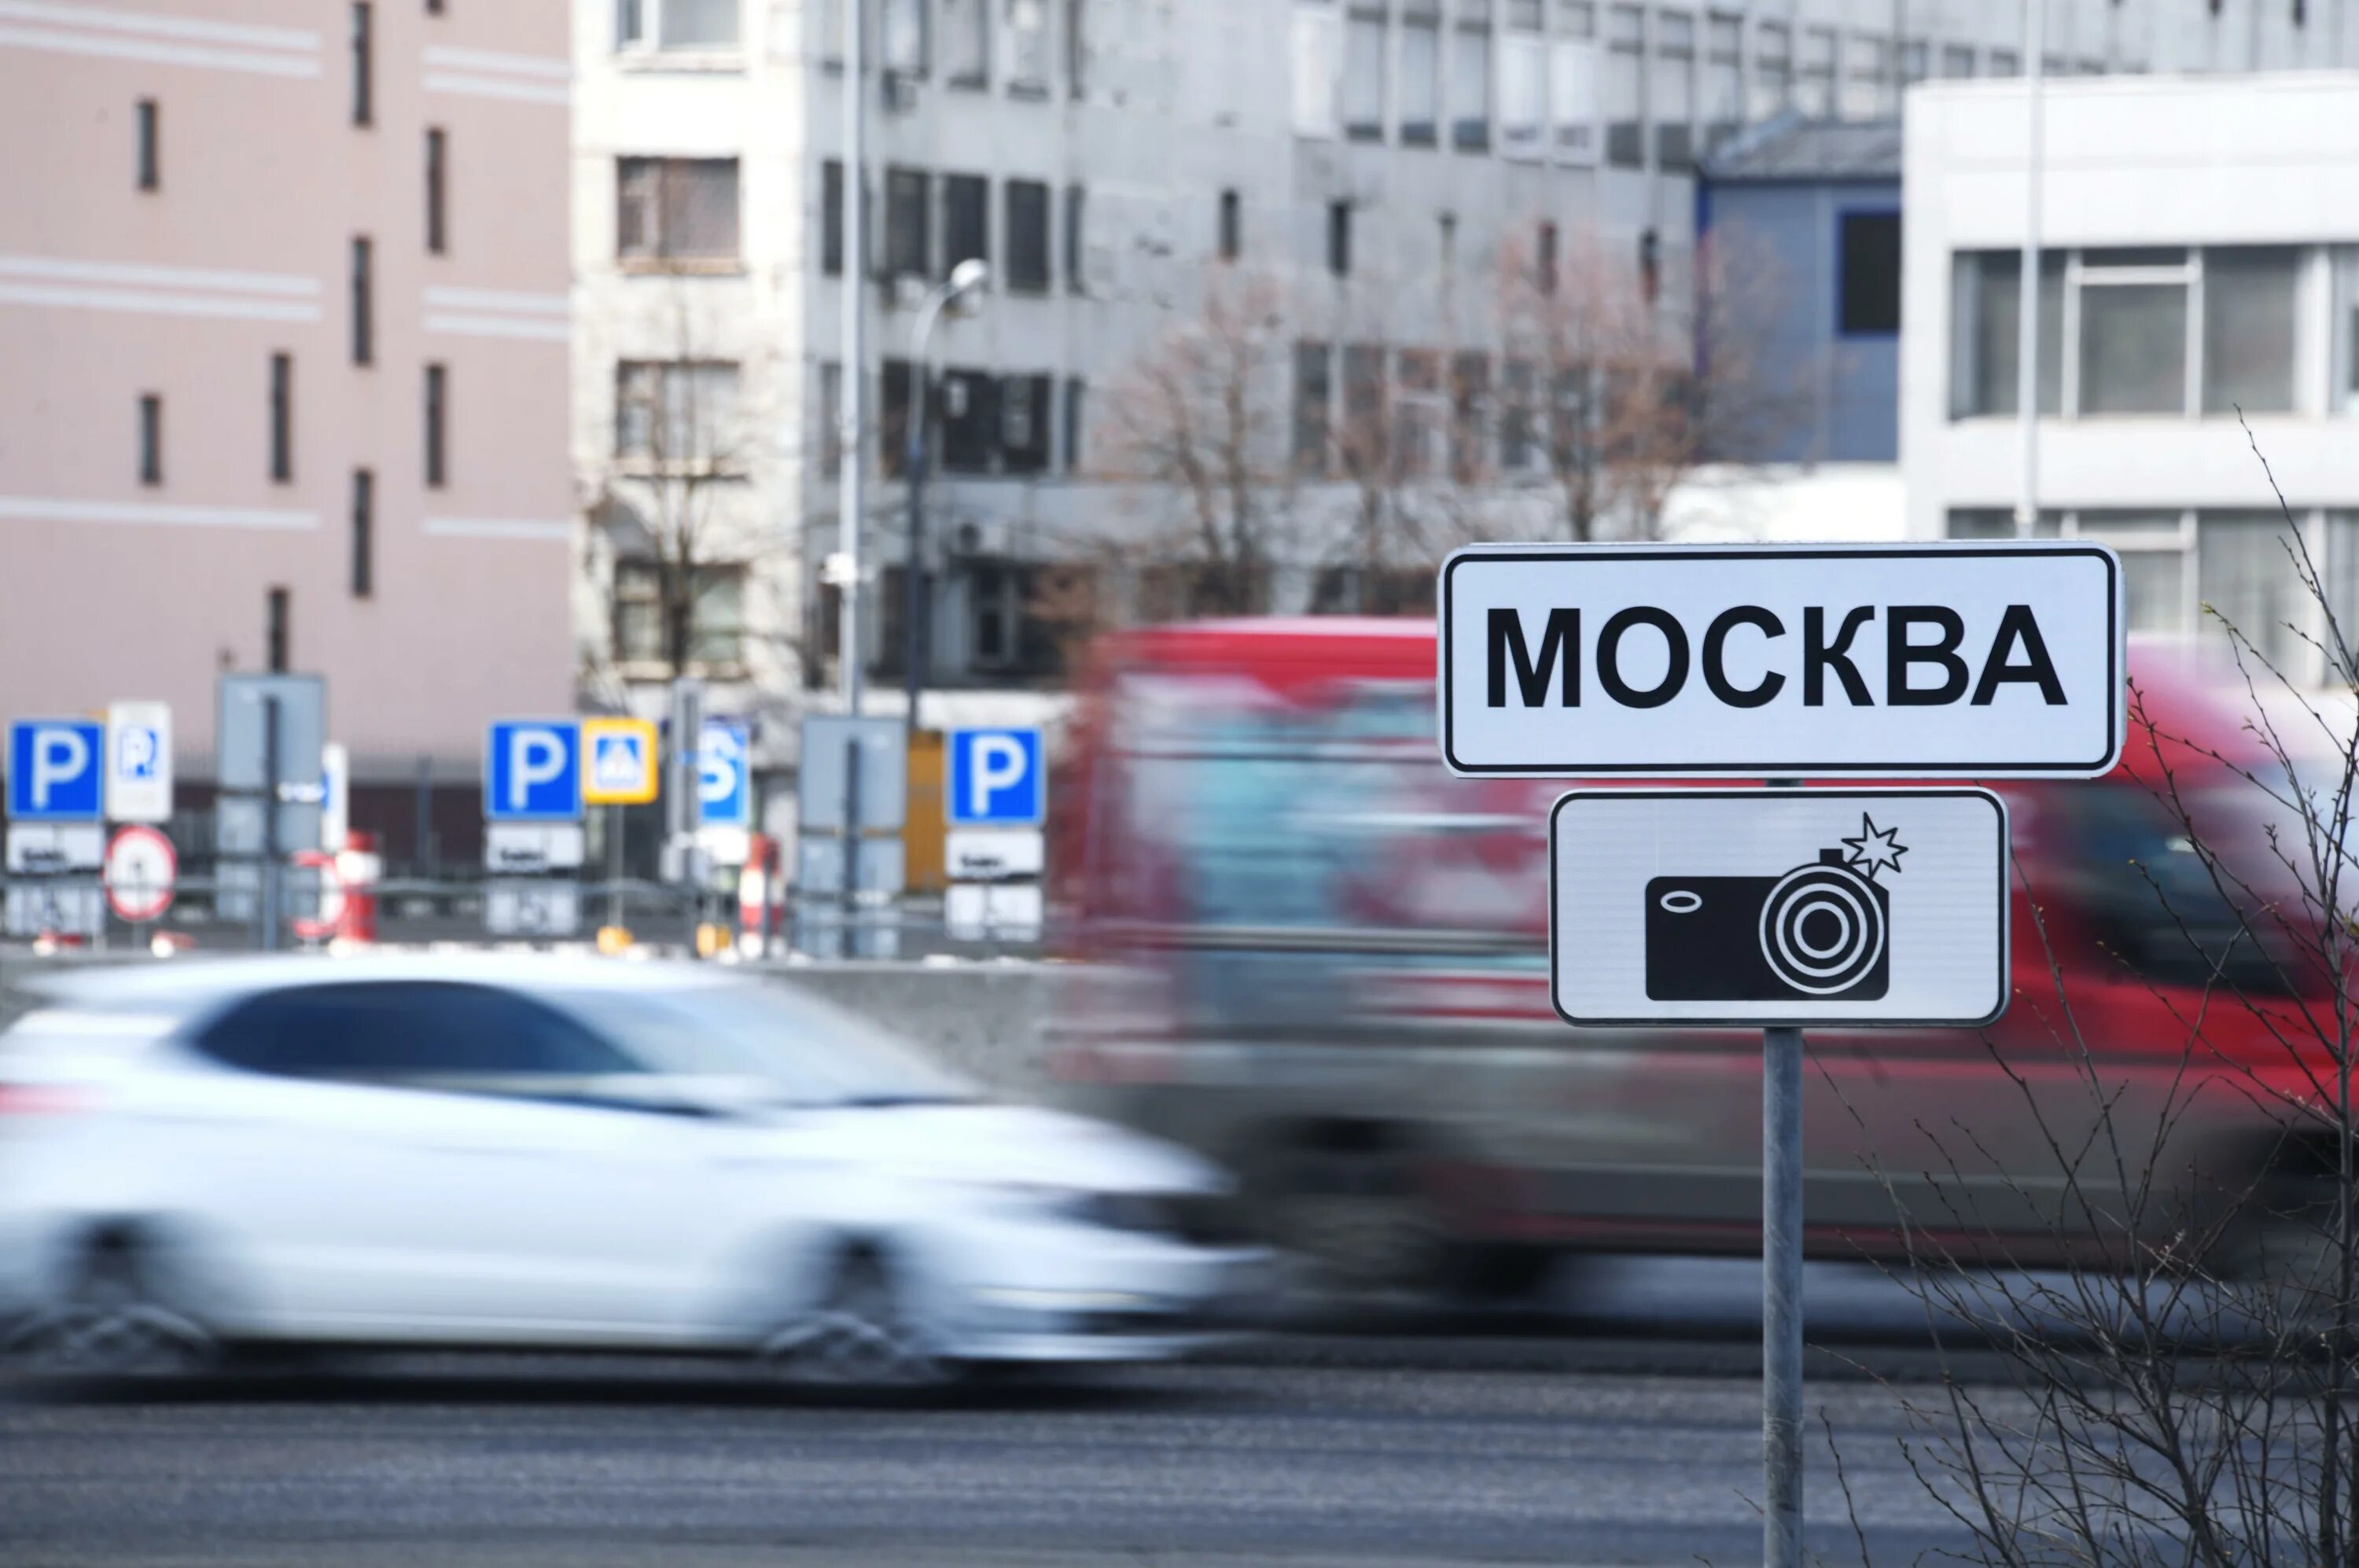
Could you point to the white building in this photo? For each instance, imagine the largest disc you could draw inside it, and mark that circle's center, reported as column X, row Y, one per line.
column 1367, row 158
column 2201, row 254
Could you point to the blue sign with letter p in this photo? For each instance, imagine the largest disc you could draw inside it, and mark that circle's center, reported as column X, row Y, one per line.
column 532, row 771
column 997, row 779
column 55, row 769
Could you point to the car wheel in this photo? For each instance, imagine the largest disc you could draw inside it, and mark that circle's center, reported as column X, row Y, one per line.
column 1352, row 1224
column 858, row 1334
column 119, row 1316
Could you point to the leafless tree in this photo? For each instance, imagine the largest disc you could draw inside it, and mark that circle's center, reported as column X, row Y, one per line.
column 2179, row 1369
column 1203, row 414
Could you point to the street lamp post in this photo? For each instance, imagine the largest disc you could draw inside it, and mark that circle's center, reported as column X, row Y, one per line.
column 965, row 280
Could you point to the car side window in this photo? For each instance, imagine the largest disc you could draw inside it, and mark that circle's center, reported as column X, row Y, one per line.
column 428, row 1033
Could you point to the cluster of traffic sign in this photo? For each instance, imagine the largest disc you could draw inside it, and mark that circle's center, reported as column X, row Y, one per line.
column 67, row 778
column 1773, row 908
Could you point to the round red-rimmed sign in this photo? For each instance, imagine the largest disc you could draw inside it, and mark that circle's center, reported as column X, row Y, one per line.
column 141, row 868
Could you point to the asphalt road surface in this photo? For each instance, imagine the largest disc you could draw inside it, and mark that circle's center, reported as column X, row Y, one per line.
column 1362, row 1459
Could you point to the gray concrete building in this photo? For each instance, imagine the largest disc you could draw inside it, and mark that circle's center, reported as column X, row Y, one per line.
column 1229, row 239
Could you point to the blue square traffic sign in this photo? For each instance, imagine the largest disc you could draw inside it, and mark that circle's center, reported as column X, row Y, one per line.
column 55, row 769
column 997, row 779
column 724, row 782
column 532, row 771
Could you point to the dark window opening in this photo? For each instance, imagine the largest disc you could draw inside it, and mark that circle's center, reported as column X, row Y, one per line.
column 363, row 65
column 1869, row 300
column 364, row 302
column 1313, row 390
column 676, row 208
column 282, row 418
column 364, row 533
column 966, row 413
column 437, row 393
column 437, row 145
column 1076, row 207
column 909, row 238
column 151, row 177
column 1024, row 423
column 1338, row 238
column 1028, row 236
column 831, row 218
column 275, row 632
column 1233, row 223
column 1076, row 402
column 966, row 220
column 151, row 438
column 1546, row 261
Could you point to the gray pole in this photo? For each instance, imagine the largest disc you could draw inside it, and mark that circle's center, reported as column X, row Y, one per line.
column 854, row 378
column 1781, row 1297
column 269, row 824
column 913, row 575
column 614, row 865
column 2027, row 343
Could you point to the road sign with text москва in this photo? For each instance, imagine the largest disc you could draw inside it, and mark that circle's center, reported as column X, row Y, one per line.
column 1763, row 661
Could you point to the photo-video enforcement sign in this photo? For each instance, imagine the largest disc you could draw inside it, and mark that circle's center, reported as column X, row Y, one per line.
column 1753, row 661
column 1752, row 907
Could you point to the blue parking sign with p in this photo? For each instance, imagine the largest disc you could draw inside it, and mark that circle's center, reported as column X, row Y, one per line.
column 995, row 778
column 56, row 768
column 532, row 771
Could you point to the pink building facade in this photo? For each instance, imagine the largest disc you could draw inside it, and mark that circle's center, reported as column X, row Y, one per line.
column 283, row 356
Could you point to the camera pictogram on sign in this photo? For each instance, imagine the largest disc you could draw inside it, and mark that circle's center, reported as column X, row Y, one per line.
column 1820, row 930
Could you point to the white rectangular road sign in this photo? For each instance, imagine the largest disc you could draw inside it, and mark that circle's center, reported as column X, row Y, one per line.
column 992, row 855
column 1749, row 908
column 139, row 762
column 515, row 847
column 1770, row 661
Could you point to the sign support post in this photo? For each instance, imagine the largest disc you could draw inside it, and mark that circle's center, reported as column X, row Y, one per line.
column 1781, row 1297
column 269, row 902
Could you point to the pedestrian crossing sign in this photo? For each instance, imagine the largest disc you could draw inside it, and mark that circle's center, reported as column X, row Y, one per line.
column 621, row 758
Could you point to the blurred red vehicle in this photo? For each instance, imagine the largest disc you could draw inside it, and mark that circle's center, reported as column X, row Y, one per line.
column 1322, row 960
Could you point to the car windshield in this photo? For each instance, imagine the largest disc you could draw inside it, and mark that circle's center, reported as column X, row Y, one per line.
column 811, row 1054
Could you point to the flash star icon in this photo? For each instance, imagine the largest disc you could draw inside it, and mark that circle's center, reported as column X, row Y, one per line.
column 1872, row 851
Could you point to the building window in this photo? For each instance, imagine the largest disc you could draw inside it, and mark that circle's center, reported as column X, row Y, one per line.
column 1363, row 443
column 438, row 408
column 2245, row 574
column 1573, row 83
column 903, row 26
column 436, row 186
column 676, row 23
column 2346, row 330
column 1544, row 260
column 831, row 218
column 433, row 8
column 1338, row 238
column 2133, row 332
column 966, row 42
column 277, row 634
column 829, row 438
column 1625, row 128
column 1027, row 25
column 1986, row 292
column 966, row 220
column 1518, row 403
column 1523, row 82
column 282, row 418
column 1470, row 416
column 363, row 301
column 2250, row 309
column 1417, row 414
column 677, row 416
column 1671, row 101
column 1723, row 78
column 151, row 438
column 1773, row 68
column 1028, row 236
column 893, row 419
column 1815, row 93
column 2006, row 63
column 1076, row 48
column 1999, row 523
column 1470, row 79
column 1866, row 72
column 1364, row 75
column 1421, row 74
column 1868, row 284
column 1233, row 223
column 714, row 634
column 1916, row 59
column 364, row 533
column 1076, row 233
column 147, row 160
column 1957, row 61
column 676, row 208
column 1024, row 423
column 1077, row 396
column 1314, row 37
column 1313, row 392
column 909, row 238
column 965, row 408
column 1373, row 591
column 2153, row 550
column 363, row 64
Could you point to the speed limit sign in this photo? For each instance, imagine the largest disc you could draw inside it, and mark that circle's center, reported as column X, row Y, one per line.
column 141, row 869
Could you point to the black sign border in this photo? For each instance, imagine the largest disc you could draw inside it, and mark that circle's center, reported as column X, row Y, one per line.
column 1839, row 1022
column 2113, row 644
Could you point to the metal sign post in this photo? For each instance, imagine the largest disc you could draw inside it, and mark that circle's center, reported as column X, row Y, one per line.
column 1783, row 908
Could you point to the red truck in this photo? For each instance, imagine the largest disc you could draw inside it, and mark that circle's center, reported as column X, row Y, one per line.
column 1321, row 959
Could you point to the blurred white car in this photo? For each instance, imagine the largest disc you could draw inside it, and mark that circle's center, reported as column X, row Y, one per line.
column 539, row 1152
